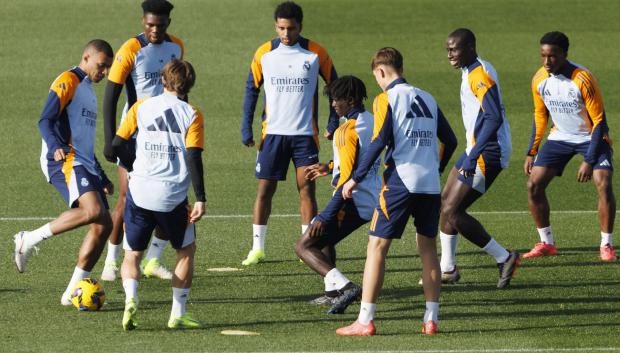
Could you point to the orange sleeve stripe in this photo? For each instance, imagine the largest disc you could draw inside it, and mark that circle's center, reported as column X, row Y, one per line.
column 64, row 86
column 379, row 109
column 325, row 61
column 124, row 61
column 179, row 42
column 479, row 83
column 195, row 136
column 591, row 94
column 256, row 67
column 130, row 124
column 347, row 142
column 541, row 114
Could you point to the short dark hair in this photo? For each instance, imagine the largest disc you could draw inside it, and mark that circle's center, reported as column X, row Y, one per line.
column 555, row 38
column 466, row 35
column 288, row 10
column 347, row 87
column 157, row 7
column 179, row 76
column 100, row 46
column 388, row 56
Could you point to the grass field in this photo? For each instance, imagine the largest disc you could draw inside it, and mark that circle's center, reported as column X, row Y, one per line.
column 568, row 303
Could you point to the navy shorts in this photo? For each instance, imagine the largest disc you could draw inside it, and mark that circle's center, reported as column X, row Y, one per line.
column 488, row 168
column 396, row 205
column 140, row 223
column 557, row 154
column 276, row 152
column 73, row 182
column 346, row 222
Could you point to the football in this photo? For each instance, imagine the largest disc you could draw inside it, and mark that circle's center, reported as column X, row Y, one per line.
column 88, row 295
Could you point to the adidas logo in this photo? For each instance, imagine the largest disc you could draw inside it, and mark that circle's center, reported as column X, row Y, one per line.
column 605, row 163
column 167, row 125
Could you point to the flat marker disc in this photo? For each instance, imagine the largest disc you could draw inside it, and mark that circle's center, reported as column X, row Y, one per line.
column 224, row 269
column 239, row 333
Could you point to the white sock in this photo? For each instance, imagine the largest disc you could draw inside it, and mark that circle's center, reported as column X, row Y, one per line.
column 259, row 232
column 334, row 280
column 78, row 275
column 179, row 298
column 448, row 251
column 156, row 248
column 38, row 235
column 432, row 312
column 367, row 313
column 131, row 289
column 546, row 235
column 497, row 251
column 114, row 252
column 303, row 228
column 607, row 238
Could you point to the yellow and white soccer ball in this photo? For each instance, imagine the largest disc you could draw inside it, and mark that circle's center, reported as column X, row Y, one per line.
column 88, row 295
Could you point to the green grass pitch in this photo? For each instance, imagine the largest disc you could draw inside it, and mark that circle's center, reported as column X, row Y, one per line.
column 566, row 303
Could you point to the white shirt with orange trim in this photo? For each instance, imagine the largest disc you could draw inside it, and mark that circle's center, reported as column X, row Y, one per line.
column 138, row 65
column 290, row 79
column 166, row 127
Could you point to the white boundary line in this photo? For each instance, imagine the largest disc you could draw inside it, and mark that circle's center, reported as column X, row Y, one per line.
column 498, row 350
column 227, row 216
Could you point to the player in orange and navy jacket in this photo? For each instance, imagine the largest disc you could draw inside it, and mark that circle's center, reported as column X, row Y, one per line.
column 568, row 93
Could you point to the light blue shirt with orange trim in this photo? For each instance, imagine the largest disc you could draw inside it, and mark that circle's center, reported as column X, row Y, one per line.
column 486, row 126
column 408, row 121
column 69, row 121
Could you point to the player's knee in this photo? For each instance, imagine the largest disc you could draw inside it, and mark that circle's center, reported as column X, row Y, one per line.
column 265, row 193
column 603, row 187
column 306, row 193
column 188, row 251
column 534, row 189
column 301, row 247
column 448, row 212
column 96, row 214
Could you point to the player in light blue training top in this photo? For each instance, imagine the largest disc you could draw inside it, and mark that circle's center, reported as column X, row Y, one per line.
column 67, row 125
column 410, row 124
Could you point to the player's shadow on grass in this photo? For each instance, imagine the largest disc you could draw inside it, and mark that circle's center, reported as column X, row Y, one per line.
column 534, row 328
column 533, row 301
column 12, row 291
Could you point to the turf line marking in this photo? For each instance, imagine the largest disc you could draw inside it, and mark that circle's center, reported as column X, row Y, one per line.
column 499, row 350
column 227, row 216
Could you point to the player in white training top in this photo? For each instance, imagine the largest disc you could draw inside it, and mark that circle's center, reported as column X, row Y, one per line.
column 568, row 93
column 410, row 124
column 288, row 67
column 137, row 67
column 169, row 143
column 486, row 155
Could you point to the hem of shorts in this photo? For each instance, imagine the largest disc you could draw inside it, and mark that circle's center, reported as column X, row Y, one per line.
column 271, row 177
